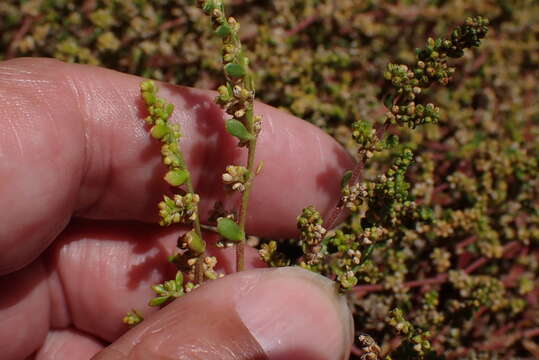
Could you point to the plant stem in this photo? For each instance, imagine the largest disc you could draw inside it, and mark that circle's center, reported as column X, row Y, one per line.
column 356, row 176
column 199, row 274
column 339, row 208
column 240, row 248
column 240, row 78
column 363, row 290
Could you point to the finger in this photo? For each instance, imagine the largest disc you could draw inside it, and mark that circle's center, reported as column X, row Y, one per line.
column 73, row 140
column 108, row 268
column 94, row 268
column 68, row 344
column 285, row 313
column 24, row 311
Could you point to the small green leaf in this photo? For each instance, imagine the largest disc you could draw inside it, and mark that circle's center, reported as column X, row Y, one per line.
column 147, row 86
column 179, row 279
column 177, row 177
column 194, row 242
column 149, row 97
column 158, row 289
column 235, row 70
column 346, row 178
column 228, row 229
column 223, row 30
column 208, row 6
column 368, row 252
column 237, row 129
column 170, row 286
column 388, row 101
column 159, row 300
column 168, row 201
column 159, row 130
column 169, row 108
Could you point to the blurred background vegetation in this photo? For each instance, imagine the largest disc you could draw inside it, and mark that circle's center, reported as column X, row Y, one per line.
column 470, row 276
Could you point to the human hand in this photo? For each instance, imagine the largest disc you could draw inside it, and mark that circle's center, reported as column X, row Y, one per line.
column 79, row 182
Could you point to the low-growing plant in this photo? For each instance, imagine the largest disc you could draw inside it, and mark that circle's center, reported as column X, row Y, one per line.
column 438, row 252
column 381, row 207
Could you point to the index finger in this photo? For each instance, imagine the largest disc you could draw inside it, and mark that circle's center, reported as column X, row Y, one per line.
column 73, row 141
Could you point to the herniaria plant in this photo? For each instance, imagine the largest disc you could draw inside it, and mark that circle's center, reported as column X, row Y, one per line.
column 381, row 208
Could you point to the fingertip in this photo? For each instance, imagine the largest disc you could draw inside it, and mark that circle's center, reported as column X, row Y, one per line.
column 296, row 314
column 286, row 313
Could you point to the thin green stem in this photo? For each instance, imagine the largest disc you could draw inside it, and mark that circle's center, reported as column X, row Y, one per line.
column 199, row 273
column 240, row 248
column 238, row 75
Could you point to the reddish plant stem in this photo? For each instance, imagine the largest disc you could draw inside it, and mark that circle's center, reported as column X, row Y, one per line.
column 240, row 256
column 356, row 176
column 305, row 23
column 468, row 241
column 337, row 210
column 172, row 24
column 363, row 290
column 531, row 333
column 503, row 340
column 392, row 345
column 25, row 27
column 356, row 351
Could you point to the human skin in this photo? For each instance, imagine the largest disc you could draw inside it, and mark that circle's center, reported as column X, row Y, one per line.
column 79, row 182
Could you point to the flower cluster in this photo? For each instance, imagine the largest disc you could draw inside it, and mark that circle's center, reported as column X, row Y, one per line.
column 236, row 177
column 416, row 344
column 182, row 207
column 371, row 350
column 179, row 209
column 312, row 233
column 431, row 67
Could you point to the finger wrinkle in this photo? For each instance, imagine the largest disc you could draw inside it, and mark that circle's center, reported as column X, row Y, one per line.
column 97, row 160
column 13, row 129
column 59, row 307
column 72, row 84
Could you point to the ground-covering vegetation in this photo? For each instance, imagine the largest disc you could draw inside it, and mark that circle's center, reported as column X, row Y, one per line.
column 457, row 278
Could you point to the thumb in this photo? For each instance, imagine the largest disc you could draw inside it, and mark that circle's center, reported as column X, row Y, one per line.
column 285, row 313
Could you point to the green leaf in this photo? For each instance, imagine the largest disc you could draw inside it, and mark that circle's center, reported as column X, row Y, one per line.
column 159, row 300
column 369, row 251
column 223, row 30
column 158, row 289
column 194, row 242
column 208, row 6
column 179, row 279
column 235, row 70
column 148, row 86
column 177, row 177
column 346, row 178
column 149, row 97
column 228, row 229
column 169, row 108
column 388, row 101
column 159, row 130
column 237, row 129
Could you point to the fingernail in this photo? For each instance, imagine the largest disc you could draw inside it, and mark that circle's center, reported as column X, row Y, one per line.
column 296, row 314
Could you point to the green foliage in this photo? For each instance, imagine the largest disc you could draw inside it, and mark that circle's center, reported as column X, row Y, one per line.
column 176, row 177
column 473, row 178
column 133, row 318
column 230, row 230
column 237, row 129
column 168, row 290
